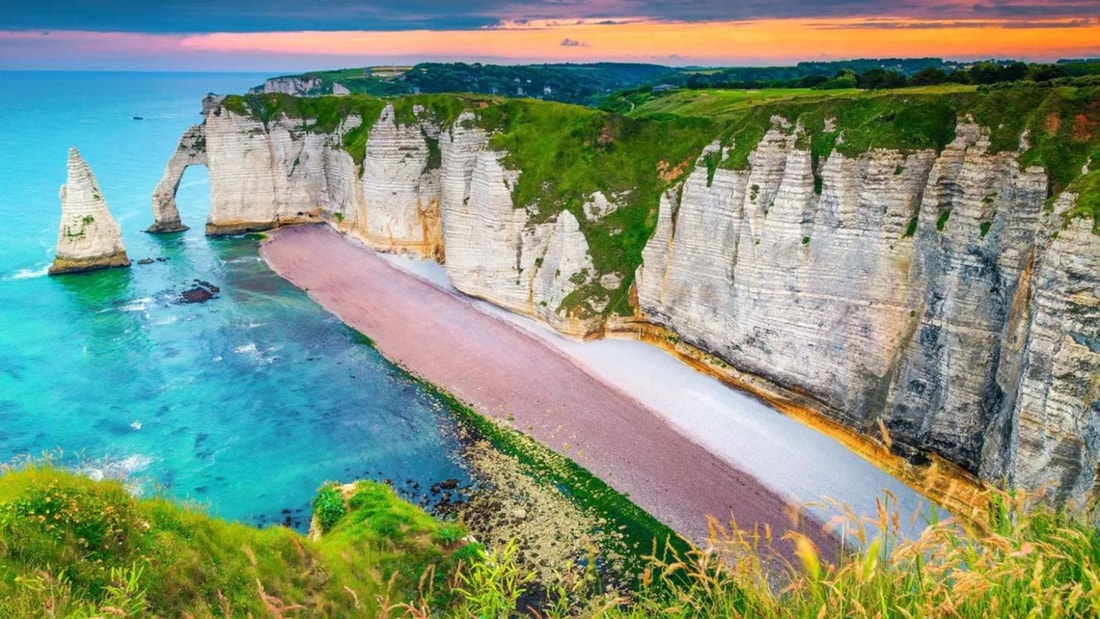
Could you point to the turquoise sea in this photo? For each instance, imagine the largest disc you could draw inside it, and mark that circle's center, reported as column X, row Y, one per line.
column 244, row 404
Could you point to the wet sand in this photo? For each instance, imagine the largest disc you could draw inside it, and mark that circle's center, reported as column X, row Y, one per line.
column 512, row 376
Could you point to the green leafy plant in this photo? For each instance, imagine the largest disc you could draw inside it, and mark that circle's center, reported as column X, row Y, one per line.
column 329, row 506
column 493, row 584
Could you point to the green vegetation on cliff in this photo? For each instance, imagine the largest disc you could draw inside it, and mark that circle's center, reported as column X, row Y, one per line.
column 318, row 114
column 1056, row 126
column 567, row 153
column 72, row 547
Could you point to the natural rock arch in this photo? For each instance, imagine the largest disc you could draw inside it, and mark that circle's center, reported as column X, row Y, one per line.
column 191, row 151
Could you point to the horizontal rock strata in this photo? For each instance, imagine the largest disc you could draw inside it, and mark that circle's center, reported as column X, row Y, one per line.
column 926, row 300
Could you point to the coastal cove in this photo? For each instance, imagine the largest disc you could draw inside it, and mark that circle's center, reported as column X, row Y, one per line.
column 243, row 405
column 219, row 403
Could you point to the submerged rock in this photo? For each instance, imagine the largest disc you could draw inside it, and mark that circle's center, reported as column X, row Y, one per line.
column 201, row 292
column 88, row 238
column 198, row 294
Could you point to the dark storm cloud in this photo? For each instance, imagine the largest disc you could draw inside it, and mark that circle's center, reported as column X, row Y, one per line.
column 189, row 16
column 886, row 24
column 1033, row 9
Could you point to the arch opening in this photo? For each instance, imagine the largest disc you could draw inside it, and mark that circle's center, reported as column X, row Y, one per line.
column 190, row 152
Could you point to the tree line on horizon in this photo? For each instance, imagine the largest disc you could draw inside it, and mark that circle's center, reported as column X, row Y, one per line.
column 863, row 74
column 592, row 84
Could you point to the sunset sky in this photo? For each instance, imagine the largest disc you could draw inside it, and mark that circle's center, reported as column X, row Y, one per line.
column 294, row 35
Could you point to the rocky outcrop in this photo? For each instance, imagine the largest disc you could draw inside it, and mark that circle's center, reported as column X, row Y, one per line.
column 88, row 238
column 400, row 187
column 924, row 299
column 416, row 180
column 299, row 86
column 1050, row 439
column 493, row 250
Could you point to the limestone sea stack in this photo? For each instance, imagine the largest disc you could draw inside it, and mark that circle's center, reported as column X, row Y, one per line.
column 89, row 238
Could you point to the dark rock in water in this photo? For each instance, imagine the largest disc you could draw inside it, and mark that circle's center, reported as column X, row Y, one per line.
column 146, row 261
column 139, row 118
column 198, row 294
column 162, row 259
column 202, row 292
column 449, row 484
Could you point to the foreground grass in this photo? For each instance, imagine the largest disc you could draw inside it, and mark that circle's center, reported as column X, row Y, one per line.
column 72, row 547
column 1020, row 561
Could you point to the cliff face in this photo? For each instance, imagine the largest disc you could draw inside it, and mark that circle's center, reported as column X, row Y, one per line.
column 416, row 180
column 902, row 293
column 88, row 238
column 292, row 85
column 928, row 291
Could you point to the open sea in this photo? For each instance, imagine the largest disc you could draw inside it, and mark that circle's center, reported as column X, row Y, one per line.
column 244, row 404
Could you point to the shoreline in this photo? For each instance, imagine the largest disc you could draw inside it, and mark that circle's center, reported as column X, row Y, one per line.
column 513, row 378
column 800, row 461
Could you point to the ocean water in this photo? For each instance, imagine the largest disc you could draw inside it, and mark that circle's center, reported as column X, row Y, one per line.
column 244, row 404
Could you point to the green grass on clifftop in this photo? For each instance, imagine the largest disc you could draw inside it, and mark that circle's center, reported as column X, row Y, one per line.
column 1059, row 125
column 566, row 154
column 318, row 114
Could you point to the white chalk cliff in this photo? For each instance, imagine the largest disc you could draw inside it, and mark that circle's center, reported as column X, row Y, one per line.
column 88, row 238
column 927, row 292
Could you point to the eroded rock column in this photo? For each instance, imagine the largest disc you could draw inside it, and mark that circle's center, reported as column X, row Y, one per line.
column 88, row 238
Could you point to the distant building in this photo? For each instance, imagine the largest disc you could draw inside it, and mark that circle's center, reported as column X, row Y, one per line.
column 663, row 88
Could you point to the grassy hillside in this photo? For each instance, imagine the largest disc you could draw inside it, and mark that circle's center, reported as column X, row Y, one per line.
column 71, row 547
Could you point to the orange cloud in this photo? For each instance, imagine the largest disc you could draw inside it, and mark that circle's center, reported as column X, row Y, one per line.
column 774, row 41
column 714, row 42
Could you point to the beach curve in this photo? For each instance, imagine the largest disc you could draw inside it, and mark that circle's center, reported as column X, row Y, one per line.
column 513, row 377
